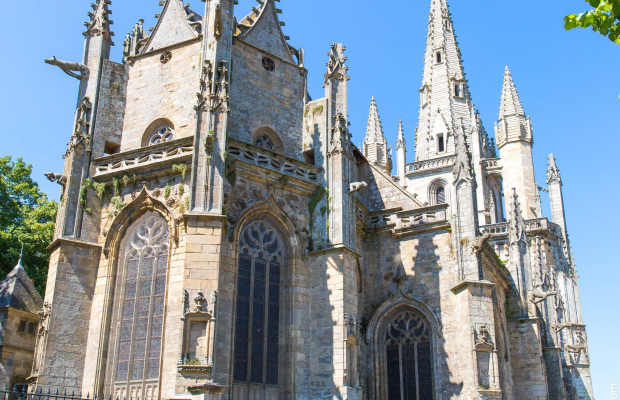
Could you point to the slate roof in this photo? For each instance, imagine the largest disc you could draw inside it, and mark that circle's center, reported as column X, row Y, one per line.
column 18, row 291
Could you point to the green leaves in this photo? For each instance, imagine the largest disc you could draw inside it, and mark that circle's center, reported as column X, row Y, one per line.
column 26, row 217
column 604, row 19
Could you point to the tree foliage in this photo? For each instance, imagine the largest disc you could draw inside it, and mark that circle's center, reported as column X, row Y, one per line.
column 604, row 19
column 26, row 217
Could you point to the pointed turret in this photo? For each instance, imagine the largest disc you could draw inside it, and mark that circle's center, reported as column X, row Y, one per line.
column 18, row 291
column 375, row 144
column 514, row 139
column 445, row 98
column 513, row 124
column 401, row 154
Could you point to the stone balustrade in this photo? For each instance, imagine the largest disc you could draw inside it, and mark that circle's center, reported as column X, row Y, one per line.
column 429, row 165
column 267, row 159
column 532, row 226
column 492, row 164
column 174, row 151
column 404, row 220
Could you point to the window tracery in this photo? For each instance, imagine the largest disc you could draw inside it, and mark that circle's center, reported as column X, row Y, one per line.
column 258, row 305
column 265, row 142
column 141, row 291
column 162, row 134
column 408, row 356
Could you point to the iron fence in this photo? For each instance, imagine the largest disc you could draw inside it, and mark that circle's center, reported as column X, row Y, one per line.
column 21, row 393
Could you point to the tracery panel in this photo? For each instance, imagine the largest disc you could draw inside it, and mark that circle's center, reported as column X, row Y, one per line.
column 141, row 287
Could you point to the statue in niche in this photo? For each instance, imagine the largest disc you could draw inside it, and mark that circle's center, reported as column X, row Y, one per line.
column 186, row 307
column 201, row 302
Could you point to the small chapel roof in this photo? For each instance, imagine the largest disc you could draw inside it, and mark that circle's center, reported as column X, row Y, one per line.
column 17, row 291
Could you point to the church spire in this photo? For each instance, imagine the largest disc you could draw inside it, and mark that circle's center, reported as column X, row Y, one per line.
column 375, row 144
column 401, row 154
column 445, row 98
column 513, row 124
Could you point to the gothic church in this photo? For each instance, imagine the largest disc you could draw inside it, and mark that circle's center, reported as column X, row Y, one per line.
column 220, row 237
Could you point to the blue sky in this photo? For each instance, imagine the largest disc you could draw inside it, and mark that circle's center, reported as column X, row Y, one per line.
column 568, row 81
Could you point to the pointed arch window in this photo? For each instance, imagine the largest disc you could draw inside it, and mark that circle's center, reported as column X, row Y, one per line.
column 140, row 292
column 257, row 318
column 408, row 358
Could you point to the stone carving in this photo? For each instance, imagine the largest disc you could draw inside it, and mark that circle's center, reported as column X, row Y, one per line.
column 553, row 172
column 74, row 70
column 336, row 68
column 483, row 338
column 357, row 187
column 578, row 347
column 44, row 315
column 58, row 178
column 341, row 138
column 218, row 26
column 479, row 243
column 538, row 296
column 201, row 303
column 352, row 326
column 186, row 307
column 209, row 142
column 99, row 24
column 462, row 165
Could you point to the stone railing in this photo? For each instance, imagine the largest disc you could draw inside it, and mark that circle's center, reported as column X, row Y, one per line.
column 429, row 165
column 174, row 151
column 264, row 158
column 532, row 225
column 495, row 229
column 492, row 164
column 404, row 220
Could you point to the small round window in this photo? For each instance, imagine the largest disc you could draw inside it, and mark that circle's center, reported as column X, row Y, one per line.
column 162, row 134
column 269, row 64
column 265, row 142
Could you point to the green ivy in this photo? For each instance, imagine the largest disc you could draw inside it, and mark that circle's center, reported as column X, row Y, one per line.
column 180, row 169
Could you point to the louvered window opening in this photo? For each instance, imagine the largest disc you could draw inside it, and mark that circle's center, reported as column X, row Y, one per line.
column 144, row 265
column 440, row 195
column 258, row 305
column 408, row 355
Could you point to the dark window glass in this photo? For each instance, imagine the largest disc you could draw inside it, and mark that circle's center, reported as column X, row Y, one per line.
column 257, row 316
column 441, row 144
column 142, row 301
column 408, row 356
column 440, row 197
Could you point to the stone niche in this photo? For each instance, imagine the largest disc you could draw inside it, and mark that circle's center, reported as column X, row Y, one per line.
column 198, row 330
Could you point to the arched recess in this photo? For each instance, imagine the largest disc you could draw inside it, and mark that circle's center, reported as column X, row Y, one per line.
column 154, row 129
column 380, row 337
column 268, row 139
column 266, row 214
column 496, row 198
column 113, row 263
column 437, row 190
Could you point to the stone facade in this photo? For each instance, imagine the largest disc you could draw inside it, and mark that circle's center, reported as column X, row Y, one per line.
column 220, row 237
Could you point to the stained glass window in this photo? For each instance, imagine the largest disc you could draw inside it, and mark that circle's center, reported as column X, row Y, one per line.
column 258, row 305
column 408, row 355
column 265, row 142
column 142, row 284
column 162, row 134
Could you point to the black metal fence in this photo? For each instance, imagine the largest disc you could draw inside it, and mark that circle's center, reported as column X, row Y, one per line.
column 21, row 393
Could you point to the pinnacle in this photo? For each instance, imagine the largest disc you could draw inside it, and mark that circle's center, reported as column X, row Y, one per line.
column 374, row 130
column 510, row 104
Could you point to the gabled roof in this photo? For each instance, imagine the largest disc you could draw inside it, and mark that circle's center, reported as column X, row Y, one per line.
column 17, row 291
column 262, row 28
column 176, row 24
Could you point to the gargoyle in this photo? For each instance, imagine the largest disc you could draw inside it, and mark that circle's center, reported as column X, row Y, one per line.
column 538, row 296
column 70, row 68
column 59, row 178
column 479, row 242
column 357, row 187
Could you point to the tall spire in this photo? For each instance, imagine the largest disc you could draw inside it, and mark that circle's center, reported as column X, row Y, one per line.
column 400, row 138
column 375, row 144
column 445, row 98
column 99, row 24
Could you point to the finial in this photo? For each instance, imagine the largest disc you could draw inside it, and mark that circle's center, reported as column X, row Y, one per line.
column 21, row 255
